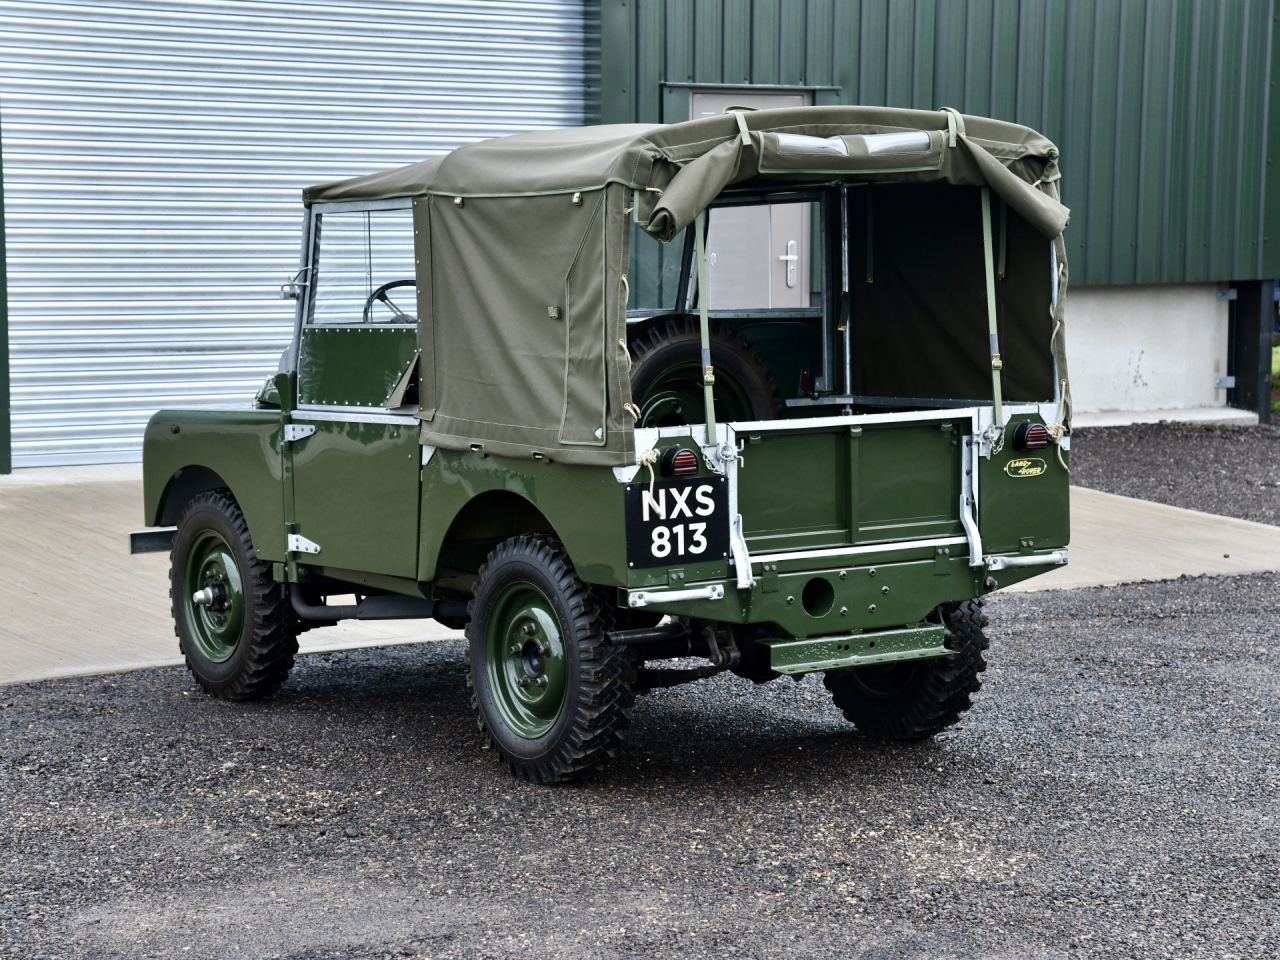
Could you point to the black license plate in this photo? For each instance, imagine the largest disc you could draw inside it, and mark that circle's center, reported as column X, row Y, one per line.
column 681, row 521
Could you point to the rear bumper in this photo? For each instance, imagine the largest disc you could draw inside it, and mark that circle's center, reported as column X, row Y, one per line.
column 804, row 596
column 803, row 599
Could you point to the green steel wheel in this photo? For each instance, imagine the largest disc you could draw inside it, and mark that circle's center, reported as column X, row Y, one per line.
column 666, row 376
column 916, row 699
column 233, row 621
column 549, row 693
column 213, row 595
column 525, row 660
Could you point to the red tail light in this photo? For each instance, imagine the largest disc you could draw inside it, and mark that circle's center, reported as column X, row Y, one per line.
column 684, row 464
column 1030, row 436
column 679, row 462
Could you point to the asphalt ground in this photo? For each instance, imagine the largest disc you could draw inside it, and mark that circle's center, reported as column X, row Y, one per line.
column 1232, row 471
column 1111, row 794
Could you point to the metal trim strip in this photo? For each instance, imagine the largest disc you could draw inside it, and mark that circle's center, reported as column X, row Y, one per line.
column 860, row 551
column 353, row 415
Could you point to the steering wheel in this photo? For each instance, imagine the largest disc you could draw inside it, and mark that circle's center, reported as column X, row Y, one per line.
column 381, row 295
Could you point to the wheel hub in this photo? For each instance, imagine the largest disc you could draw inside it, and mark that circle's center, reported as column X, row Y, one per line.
column 531, row 659
column 214, row 597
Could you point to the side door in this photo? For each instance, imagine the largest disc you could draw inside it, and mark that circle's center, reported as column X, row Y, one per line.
column 355, row 462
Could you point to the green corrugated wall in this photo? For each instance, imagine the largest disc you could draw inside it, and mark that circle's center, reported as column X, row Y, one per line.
column 1160, row 107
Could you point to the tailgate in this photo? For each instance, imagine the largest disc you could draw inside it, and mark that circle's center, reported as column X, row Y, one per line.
column 806, row 485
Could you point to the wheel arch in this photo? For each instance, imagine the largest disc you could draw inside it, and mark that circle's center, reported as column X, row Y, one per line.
column 484, row 521
column 185, row 485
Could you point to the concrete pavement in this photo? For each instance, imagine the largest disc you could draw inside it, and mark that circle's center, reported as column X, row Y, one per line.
column 73, row 601
column 1123, row 540
column 1229, row 416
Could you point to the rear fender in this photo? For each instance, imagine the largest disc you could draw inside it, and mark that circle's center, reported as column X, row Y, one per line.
column 472, row 498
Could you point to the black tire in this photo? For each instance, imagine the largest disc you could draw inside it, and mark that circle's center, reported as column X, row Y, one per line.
column 675, row 342
column 260, row 651
column 913, row 700
column 756, row 657
column 595, row 678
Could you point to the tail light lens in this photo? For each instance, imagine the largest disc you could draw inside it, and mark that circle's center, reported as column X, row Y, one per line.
column 1030, row 436
column 679, row 462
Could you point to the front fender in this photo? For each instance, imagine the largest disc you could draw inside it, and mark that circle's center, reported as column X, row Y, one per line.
column 241, row 445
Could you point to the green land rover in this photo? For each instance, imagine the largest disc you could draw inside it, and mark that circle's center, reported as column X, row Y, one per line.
column 776, row 392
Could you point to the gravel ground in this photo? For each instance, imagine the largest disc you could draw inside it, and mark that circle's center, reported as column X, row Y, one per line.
column 1111, row 794
column 1232, row 471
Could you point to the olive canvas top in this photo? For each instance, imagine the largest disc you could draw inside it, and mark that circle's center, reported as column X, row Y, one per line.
column 523, row 245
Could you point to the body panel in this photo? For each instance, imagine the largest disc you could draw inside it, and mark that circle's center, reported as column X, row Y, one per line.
column 584, row 506
column 241, row 445
column 353, row 366
column 355, row 491
column 1026, row 511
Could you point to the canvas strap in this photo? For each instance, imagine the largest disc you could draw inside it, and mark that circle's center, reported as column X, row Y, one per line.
column 955, row 125
column 992, row 328
column 704, row 328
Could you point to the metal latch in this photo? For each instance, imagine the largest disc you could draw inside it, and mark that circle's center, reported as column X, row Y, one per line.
column 1224, row 383
column 300, row 544
column 297, row 431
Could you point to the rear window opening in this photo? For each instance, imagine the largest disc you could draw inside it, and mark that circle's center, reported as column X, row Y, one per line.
column 853, row 297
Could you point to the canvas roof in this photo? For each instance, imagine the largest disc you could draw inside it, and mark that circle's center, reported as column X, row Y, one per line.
column 680, row 168
column 523, row 247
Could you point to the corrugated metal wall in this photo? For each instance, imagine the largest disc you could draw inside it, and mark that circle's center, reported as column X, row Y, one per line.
column 1160, row 107
column 153, row 154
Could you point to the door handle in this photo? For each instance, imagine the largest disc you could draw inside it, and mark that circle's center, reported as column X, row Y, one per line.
column 790, row 258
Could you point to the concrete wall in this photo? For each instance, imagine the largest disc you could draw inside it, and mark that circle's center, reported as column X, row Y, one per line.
column 1135, row 348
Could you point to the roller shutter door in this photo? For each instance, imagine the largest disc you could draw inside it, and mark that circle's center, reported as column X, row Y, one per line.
column 154, row 152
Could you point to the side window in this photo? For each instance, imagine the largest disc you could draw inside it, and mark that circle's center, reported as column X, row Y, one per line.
column 760, row 256
column 364, row 269
column 654, row 274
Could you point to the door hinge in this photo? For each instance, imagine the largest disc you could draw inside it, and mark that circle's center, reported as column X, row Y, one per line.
column 300, row 544
column 297, row 431
column 1224, row 383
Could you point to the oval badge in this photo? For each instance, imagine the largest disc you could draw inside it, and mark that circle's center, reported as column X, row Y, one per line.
column 1025, row 467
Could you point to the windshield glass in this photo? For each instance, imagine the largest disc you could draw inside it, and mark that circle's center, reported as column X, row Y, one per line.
column 363, row 268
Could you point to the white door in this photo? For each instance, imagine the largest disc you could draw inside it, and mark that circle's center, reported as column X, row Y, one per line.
column 757, row 257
